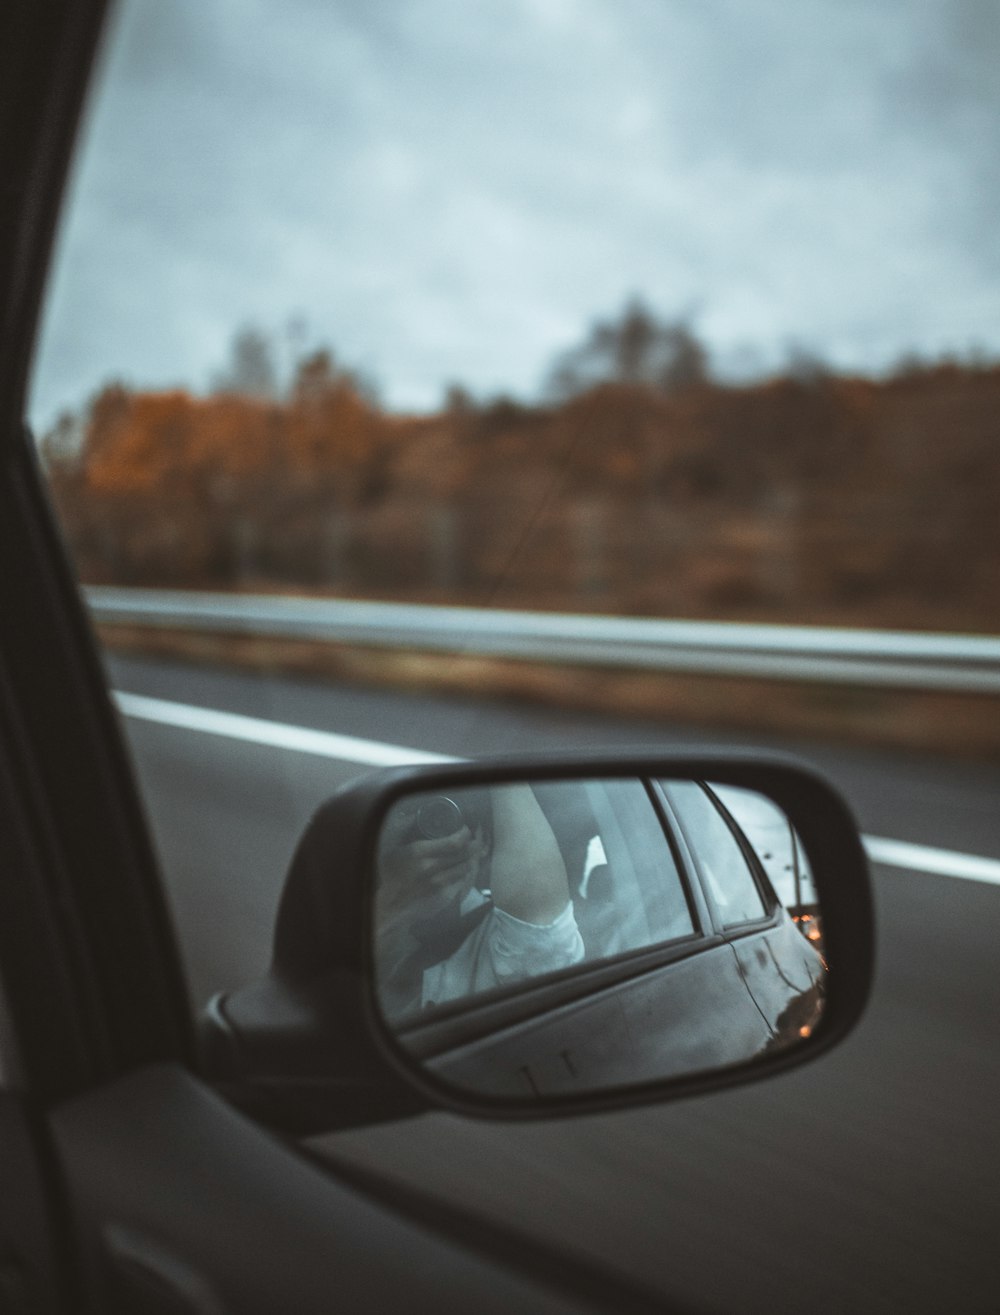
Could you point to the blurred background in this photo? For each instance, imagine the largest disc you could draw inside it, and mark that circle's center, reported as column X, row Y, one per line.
column 652, row 310
column 644, row 309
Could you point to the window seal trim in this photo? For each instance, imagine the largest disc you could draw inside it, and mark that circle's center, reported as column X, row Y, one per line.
column 94, row 910
column 465, row 1023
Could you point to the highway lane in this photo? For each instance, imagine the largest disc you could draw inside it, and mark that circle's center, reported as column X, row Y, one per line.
column 866, row 1181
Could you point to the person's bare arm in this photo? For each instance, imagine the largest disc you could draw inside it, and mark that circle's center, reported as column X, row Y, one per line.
column 527, row 872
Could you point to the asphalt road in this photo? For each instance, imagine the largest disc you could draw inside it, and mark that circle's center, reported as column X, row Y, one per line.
column 866, row 1181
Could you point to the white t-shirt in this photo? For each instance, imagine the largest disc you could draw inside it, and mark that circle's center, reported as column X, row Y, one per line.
column 503, row 949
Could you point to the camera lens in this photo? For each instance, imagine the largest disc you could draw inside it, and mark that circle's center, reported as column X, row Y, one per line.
column 439, row 817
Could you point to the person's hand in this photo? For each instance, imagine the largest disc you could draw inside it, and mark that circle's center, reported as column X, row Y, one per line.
column 420, row 877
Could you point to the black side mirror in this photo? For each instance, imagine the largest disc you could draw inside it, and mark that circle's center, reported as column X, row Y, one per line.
column 553, row 935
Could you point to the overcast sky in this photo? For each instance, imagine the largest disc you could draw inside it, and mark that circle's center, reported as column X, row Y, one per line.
column 452, row 191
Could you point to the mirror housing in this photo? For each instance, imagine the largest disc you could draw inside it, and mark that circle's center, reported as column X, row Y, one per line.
column 310, row 1047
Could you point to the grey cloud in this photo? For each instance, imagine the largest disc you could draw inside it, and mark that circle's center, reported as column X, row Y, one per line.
column 949, row 94
column 452, row 191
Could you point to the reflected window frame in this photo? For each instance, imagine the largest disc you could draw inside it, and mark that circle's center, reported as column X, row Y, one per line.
column 716, row 915
column 606, row 811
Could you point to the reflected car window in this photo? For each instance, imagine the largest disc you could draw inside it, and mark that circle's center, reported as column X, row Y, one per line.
column 480, row 890
column 636, row 898
column 717, row 853
column 775, row 843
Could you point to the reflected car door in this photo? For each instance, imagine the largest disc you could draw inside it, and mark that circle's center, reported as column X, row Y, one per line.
column 782, row 971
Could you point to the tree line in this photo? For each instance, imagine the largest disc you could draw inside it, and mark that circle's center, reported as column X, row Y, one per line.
column 641, row 484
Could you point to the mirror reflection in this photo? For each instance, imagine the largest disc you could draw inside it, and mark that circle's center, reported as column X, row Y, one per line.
column 581, row 934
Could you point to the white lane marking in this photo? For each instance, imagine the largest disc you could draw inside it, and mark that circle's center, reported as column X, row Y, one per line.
column 925, row 858
column 276, row 734
column 375, row 753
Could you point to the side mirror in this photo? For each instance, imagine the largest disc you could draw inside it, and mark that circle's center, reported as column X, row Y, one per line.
column 550, row 936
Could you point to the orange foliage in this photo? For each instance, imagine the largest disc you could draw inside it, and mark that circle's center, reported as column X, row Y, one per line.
column 166, row 443
column 838, row 499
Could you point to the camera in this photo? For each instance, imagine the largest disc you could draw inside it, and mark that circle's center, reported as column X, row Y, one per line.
column 438, row 817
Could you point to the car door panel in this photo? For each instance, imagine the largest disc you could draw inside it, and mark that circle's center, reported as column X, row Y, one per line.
column 32, row 1246
column 183, row 1205
column 782, row 972
column 690, row 1015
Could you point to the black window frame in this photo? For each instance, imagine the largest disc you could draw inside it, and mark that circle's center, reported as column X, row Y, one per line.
column 89, row 963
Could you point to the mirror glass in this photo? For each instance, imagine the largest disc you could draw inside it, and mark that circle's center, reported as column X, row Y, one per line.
column 566, row 936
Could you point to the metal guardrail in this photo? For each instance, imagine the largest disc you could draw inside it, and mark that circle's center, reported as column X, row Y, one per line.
column 900, row 659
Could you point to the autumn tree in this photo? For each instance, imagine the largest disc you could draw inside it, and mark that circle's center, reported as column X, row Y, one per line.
column 636, row 349
column 250, row 371
column 457, row 400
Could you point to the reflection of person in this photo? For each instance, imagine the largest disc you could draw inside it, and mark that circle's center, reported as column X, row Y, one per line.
column 459, row 913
